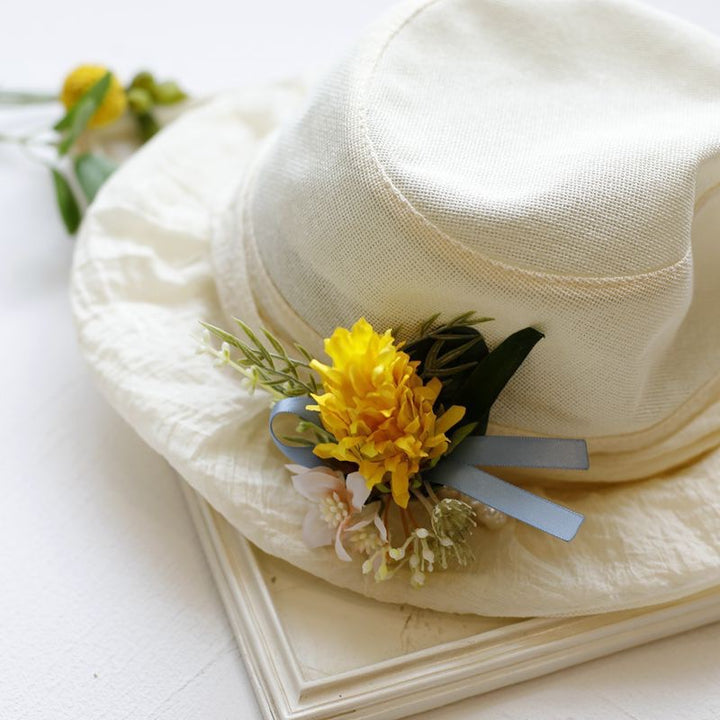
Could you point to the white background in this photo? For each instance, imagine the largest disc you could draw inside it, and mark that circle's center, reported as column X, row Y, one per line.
column 107, row 608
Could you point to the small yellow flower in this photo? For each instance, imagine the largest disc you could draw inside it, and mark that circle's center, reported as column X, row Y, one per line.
column 378, row 409
column 80, row 80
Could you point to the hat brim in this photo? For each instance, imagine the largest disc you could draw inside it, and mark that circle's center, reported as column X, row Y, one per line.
column 143, row 278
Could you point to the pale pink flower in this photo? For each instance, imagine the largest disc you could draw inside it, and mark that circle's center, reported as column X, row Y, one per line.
column 339, row 508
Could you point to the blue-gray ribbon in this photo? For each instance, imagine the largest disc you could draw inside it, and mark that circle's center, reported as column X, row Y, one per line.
column 459, row 470
column 295, row 406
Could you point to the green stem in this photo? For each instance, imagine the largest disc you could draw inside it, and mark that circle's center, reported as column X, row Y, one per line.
column 294, row 361
column 11, row 97
column 26, row 140
column 424, row 502
column 284, row 376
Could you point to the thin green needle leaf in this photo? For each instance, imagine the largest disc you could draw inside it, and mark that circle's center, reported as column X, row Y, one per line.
column 262, row 350
column 452, row 355
column 223, row 335
column 304, row 352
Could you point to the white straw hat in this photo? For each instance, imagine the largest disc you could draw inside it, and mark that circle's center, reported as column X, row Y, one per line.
column 553, row 164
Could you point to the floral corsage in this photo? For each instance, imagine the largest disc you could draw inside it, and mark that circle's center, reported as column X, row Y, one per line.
column 377, row 431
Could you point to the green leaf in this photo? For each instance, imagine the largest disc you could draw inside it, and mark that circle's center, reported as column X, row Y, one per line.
column 486, row 382
column 67, row 204
column 95, row 92
column 92, row 171
column 148, row 125
column 85, row 110
column 74, row 122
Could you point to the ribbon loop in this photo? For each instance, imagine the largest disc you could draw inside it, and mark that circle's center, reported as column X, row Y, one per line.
column 295, row 406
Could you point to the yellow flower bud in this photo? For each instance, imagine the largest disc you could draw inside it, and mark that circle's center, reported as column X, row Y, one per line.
column 80, row 80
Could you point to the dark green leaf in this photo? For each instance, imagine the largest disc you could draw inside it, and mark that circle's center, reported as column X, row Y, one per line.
column 67, row 204
column 148, row 125
column 486, row 382
column 92, row 171
column 74, row 122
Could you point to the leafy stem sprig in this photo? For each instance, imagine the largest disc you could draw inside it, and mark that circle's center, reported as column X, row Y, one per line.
column 87, row 171
column 76, row 182
column 265, row 364
column 431, row 328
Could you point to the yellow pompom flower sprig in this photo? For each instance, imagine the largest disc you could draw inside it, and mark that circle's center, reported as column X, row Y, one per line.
column 93, row 98
column 113, row 102
column 378, row 409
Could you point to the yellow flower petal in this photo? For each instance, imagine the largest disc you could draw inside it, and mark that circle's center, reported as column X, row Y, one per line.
column 378, row 408
column 450, row 417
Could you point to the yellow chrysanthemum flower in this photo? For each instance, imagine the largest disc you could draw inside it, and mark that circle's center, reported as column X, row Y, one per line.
column 378, row 409
column 80, row 80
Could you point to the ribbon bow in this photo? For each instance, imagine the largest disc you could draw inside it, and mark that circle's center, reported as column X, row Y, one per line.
column 459, row 470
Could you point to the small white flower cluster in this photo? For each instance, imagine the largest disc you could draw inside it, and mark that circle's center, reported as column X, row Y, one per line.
column 339, row 516
column 427, row 549
column 421, row 559
column 223, row 356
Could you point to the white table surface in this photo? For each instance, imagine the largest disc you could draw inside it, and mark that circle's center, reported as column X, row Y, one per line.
column 107, row 607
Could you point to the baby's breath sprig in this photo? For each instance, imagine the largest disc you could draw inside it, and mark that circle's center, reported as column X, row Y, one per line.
column 266, row 364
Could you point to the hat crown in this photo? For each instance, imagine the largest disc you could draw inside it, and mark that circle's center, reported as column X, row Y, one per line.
column 536, row 163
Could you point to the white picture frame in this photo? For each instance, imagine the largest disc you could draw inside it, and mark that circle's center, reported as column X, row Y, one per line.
column 311, row 656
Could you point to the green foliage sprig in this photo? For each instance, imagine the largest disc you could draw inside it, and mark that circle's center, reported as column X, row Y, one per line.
column 448, row 351
column 265, row 364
